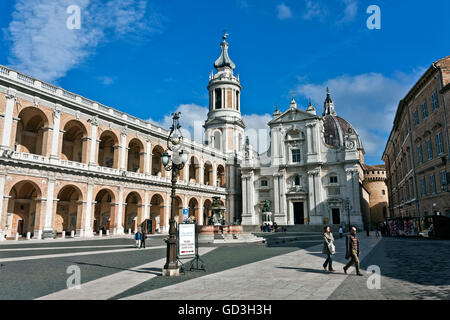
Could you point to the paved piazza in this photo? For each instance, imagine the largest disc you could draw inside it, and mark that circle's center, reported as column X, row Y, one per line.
column 287, row 267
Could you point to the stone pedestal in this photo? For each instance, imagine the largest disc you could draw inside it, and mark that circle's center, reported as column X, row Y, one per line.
column 170, row 272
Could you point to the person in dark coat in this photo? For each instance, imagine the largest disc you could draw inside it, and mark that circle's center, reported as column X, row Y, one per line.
column 144, row 236
column 352, row 251
column 328, row 240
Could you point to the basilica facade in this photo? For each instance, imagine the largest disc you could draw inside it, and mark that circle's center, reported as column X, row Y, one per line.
column 310, row 175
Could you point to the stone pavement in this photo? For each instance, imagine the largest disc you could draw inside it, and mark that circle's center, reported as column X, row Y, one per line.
column 107, row 287
column 295, row 275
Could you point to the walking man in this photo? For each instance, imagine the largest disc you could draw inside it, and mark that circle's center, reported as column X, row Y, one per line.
column 352, row 251
column 144, row 236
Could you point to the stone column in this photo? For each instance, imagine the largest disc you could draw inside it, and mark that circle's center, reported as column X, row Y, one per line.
column 148, row 158
column 186, row 172
column 146, row 205
column 311, row 195
column 123, row 149
column 93, row 150
column 167, row 212
column 214, row 182
column 2, row 194
column 120, row 213
column 89, row 213
column 56, row 132
column 201, row 172
column 48, row 217
column 200, row 212
column 8, row 120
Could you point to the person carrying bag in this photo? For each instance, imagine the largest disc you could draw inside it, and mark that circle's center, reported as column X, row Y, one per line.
column 328, row 248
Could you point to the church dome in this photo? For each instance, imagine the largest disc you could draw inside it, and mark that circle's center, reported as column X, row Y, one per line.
column 336, row 129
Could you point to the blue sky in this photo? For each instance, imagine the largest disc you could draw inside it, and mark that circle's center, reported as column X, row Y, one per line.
column 150, row 58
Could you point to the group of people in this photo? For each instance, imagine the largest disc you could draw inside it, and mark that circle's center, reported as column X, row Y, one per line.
column 269, row 228
column 352, row 250
column 140, row 239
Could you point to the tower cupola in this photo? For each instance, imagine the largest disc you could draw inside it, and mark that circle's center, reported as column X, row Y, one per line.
column 329, row 105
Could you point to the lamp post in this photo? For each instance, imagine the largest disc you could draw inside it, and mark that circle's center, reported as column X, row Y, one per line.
column 174, row 163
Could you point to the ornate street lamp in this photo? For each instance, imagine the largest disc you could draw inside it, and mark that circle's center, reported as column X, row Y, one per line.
column 173, row 162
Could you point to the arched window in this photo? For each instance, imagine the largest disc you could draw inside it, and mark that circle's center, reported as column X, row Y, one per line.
column 297, row 180
column 218, row 102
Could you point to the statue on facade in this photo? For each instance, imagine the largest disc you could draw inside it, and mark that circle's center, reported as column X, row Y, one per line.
column 267, row 207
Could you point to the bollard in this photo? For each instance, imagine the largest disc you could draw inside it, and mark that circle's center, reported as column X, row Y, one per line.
column 107, row 232
column 28, row 235
column 100, row 233
column 72, row 234
column 16, row 237
column 63, row 234
column 129, row 231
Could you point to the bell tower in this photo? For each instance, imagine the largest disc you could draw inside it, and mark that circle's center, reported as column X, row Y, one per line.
column 224, row 128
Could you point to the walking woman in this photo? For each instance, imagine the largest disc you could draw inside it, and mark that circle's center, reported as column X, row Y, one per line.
column 328, row 248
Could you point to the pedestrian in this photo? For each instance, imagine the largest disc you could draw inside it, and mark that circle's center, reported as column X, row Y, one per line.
column 367, row 231
column 377, row 234
column 137, row 237
column 275, row 226
column 144, row 236
column 341, row 232
column 328, row 248
column 352, row 251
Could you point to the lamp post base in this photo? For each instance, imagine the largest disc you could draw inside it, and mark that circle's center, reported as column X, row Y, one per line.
column 171, row 272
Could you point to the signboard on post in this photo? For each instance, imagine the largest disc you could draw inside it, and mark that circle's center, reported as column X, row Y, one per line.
column 186, row 240
column 185, row 215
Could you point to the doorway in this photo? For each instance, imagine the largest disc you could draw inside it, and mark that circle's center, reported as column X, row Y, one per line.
column 299, row 215
column 336, row 215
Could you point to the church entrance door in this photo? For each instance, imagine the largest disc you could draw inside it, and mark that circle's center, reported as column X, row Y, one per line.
column 299, row 215
column 335, row 212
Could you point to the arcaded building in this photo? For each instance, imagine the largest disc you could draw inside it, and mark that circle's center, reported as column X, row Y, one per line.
column 416, row 154
column 68, row 163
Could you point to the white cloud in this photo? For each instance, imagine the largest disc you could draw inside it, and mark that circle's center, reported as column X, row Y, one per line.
column 350, row 10
column 283, row 12
column 257, row 130
column 314, row 9
column 43, row 46
column 106, row 80
column 368, row 101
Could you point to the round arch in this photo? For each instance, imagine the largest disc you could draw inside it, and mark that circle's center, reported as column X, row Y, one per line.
column 74, row 143
column 69, row 210
column 136, row 156
column 157, row 166
column 208, row 173
column 157, row 211
column 108, row 154
column 32, row 131
column 105, row 210
column 24, row 209
column 133, row 212
column 193, row 206
column 221, row 179
column 194, row 169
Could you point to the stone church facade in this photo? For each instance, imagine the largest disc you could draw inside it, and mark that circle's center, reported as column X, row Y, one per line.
column 311, row 173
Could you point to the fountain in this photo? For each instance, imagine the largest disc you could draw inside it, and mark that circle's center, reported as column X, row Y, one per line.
column 217, row 231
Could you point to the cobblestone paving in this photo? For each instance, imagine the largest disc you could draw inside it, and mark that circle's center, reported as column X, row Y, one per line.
column 410, row 268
